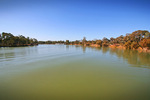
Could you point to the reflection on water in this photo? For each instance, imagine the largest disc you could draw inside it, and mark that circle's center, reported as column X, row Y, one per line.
column 140, row 59
column 134, row 57
column 60, row 72
column 12, row 52
column 11, row 55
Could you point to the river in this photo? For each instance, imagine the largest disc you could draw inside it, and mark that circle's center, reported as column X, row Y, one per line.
column 68, row 72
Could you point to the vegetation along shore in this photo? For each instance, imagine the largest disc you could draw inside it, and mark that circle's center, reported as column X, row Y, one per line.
column 9, row 40
column 137, row 40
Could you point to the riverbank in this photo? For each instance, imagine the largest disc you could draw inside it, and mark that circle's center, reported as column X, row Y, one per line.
column 20, row 45
column 140, row 49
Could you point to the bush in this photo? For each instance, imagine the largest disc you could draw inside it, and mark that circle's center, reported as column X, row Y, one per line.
column 134, row 45
column 99, row 42
column 128, row 45
column 145, row 43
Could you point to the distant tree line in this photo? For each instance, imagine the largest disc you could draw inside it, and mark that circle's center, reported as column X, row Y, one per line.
column 51, row 42
column 9, row 40
column 134, row 40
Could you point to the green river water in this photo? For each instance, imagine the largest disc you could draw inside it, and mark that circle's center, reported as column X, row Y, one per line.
column 66, row 72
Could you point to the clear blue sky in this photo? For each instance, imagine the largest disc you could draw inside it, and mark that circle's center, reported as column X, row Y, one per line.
column 73, row 19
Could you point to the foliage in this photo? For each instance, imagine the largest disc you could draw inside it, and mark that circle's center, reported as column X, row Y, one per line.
column 77, row 42
column 84, row 40
column 128, row 45
column 9, row 40
column 134, row 45
column 99, row 42
column 67, row 42
column 134, row 40
column 93, row 42
column 145, row 42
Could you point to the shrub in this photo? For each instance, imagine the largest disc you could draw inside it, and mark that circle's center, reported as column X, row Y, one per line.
column 134, row 45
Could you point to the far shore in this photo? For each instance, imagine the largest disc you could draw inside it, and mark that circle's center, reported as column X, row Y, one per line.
column 140, row 49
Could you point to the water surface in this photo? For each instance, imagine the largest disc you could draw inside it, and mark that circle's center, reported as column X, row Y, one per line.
column 62, row 72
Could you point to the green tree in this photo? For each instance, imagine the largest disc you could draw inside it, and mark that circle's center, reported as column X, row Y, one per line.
column 77, row 42
column 93, row 42
column 145, row 43
column 147, row 35
column 67, row 42
column 99, row 42
column 105, row 41
column 112, row 40
column 128, row 45
column 84, row 40
column 134, row 45
column 8, row 39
